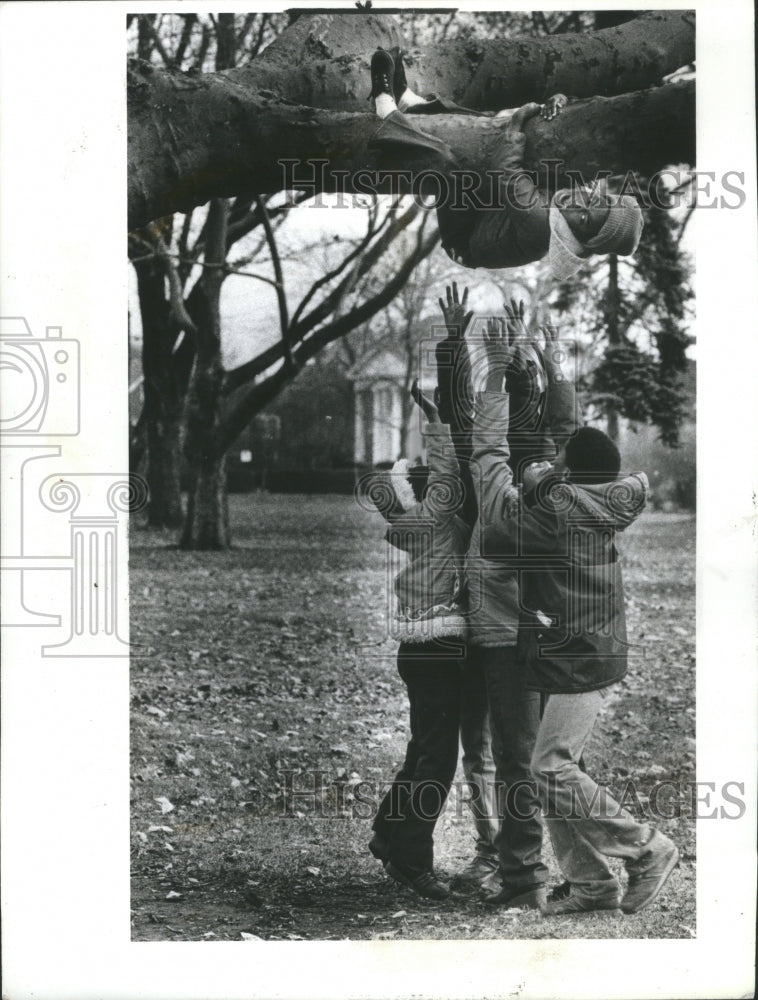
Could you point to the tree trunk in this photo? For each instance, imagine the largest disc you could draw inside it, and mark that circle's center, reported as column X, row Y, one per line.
column 206, row 525
column 165, row 375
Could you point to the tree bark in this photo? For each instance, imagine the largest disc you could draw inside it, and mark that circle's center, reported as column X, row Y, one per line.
column 206, row 525
column 211, row 144
column 323, row 60
column 165, row 384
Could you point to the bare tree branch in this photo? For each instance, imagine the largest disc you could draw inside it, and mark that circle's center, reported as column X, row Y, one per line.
column 178, row 314
column 281, row 295
column 155, row 37
column 262, row 393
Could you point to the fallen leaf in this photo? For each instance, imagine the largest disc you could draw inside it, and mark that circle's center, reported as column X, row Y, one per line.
column 249, row 937
column 174, row 895
column 163, row 802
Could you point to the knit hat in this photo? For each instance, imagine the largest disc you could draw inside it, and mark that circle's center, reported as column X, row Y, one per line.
column 565, row 254
column 620, row 233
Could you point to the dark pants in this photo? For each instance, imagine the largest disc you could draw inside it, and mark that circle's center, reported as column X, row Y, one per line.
column 515, row 721
column 409, row 811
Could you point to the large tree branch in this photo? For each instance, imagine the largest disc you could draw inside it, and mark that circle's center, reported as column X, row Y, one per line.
column 322, row 60
column 211, row 143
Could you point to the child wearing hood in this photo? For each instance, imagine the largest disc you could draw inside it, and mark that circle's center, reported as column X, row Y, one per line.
column 572, row 636
column 422, row 509
column 523, row 225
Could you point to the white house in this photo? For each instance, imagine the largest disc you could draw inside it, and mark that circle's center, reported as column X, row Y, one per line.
column 378, row 383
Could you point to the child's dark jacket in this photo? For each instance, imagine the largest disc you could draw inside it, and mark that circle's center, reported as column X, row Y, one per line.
column 572, row 629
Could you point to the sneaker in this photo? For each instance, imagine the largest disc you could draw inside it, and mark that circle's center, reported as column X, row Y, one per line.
column 648, row 874
column 557, row 892
column 580, row 904
column 379, row 848
column 423, row 882
column 382, row 74
column 476, row 872
column 528, row 898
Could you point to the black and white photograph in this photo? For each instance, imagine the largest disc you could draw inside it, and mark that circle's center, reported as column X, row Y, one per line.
column 378, row 559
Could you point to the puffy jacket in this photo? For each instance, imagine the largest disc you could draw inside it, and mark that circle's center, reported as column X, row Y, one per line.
column 572, row 628
column 428, row 590
column 492, row 585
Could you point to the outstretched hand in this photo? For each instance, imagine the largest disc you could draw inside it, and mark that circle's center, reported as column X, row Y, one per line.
column 454, row 312
column 497, row 344
column 552, row 353
column 427, row 406
column 514, row 317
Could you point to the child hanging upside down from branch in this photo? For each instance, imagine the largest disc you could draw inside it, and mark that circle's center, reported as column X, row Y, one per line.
column 523, row 224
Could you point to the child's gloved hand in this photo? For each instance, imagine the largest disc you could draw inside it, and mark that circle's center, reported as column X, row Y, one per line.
column 522, row 116
column 553, row 106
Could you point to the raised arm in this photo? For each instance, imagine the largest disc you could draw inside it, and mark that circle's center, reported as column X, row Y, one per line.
column 443, row 494
column 454, row 396
column 561, row 410
column 493, row 479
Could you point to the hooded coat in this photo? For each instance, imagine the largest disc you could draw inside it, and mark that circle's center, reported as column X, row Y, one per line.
column 561, row 540
column 429, row 587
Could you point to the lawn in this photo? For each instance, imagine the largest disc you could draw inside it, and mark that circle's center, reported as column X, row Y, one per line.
column 265, row 670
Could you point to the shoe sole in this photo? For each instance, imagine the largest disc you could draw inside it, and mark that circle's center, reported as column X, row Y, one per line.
column 529, row 900
column 398, row 876
column 579, row 911
column 656, row 888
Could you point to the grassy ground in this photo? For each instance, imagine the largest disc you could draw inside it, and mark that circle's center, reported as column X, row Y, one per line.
column 271, row 659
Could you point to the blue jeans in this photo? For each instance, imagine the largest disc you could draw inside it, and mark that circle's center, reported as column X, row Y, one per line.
column 586, row 824
column 514, row 719
column 478, row 763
